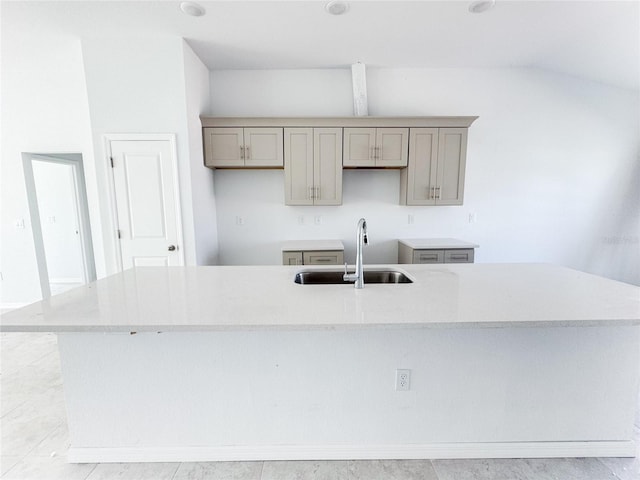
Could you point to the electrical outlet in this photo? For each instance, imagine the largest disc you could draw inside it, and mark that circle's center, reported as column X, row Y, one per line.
column 300, row 219
column 239, row 220
column 410, row 219
column 403, row 380
column 318, row 219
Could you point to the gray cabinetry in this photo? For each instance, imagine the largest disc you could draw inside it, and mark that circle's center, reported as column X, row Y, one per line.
column 313, row 166
column 435, row 250
column 375, row 147
column 234, row 147
column 435, row 174
column 313, row 252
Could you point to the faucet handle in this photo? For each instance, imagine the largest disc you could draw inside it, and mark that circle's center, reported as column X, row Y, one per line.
column 345, row 268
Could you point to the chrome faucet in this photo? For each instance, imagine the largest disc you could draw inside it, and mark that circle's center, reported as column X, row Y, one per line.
column 361, row 240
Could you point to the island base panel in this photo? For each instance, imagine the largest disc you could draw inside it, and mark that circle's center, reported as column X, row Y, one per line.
column 330, row 394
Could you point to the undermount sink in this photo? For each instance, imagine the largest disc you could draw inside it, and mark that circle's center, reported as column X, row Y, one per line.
column 335, row 277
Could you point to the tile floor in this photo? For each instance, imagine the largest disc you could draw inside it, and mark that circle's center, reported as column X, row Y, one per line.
column 35, row 439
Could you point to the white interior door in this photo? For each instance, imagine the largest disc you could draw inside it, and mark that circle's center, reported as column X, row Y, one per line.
column 147, row 201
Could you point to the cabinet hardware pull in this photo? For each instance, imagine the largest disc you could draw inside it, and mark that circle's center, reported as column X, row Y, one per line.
column 432, row 192
column 171, row 248
column 438, row 193
column 311, row 192
column 247, row 153
column 242, row 153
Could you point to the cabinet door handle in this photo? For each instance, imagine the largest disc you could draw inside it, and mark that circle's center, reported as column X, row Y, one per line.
column 242, row 153
column 311, row 192
column 247, row 153
column 432, row 192
column 438, row 193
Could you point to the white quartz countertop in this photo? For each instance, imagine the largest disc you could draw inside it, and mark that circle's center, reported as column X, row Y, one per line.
column 432, row 243
column 311, row 245
column 235, row 297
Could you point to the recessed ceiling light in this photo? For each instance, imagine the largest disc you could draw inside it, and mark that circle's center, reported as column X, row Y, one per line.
column 336, row 7
column 192, row 8
column 481, row 6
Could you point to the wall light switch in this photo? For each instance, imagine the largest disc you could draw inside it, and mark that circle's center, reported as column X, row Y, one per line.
column 239, row 220
column 20, row 223
column 317, row 219
column 410, row 219
column 472, row 218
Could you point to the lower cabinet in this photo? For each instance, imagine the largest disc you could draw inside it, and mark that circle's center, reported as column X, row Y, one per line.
column 330, row 257
column 313, row 252
column 435, row 251
column 313, row 166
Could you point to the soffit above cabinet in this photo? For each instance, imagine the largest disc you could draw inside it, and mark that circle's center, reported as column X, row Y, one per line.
column 365, row 121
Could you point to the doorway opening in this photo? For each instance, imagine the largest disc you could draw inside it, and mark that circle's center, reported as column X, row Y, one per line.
column 59, row 212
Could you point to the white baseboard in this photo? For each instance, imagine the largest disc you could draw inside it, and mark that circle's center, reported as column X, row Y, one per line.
column 353, row 452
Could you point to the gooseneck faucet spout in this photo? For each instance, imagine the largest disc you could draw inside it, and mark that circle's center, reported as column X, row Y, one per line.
column 361, row 240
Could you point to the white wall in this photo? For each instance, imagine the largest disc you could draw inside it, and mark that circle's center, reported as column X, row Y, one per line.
column 155, row 85
column 136, row 85
column 552, row 168
column 44, row 109
column 201, row 192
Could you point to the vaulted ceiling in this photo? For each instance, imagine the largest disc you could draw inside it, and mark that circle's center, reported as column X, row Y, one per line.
column 598, row 40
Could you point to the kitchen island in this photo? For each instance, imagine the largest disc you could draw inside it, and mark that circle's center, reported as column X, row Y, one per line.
column 241, row 363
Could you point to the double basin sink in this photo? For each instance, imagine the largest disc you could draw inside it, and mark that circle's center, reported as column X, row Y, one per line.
column 334, row 277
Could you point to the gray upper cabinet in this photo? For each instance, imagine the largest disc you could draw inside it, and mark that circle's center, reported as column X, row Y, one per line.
column 435, row 174
column 375, row 147
column 313, row 166
column 234, row 147
column 429, row 151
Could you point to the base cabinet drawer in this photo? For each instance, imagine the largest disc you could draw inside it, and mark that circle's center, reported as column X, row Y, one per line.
column 459, row 256
column 313, row 257
column 428, row 256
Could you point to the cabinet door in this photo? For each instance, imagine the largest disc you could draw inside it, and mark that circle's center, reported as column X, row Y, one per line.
column 418, row 180
column 223, row 147
column 392, row 145
column 263, row 147
column 452, row 154
column 323, row 258
column 359, row 147
column 292, row 258
column 327, row 171
column 298, row 166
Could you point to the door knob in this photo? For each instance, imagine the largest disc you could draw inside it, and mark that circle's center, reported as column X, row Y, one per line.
column 172, row 248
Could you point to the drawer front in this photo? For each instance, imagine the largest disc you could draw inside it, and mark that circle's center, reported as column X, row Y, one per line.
column 335, row 257
column 428, row 256
column 460, row 255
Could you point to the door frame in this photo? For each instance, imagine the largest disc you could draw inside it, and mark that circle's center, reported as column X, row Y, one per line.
column 74, row 160
column 111, row 188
